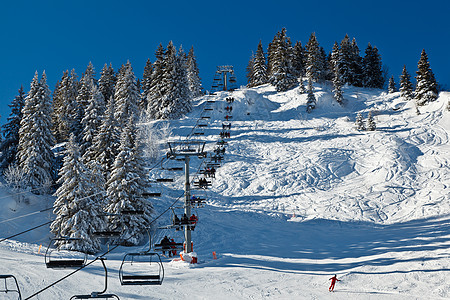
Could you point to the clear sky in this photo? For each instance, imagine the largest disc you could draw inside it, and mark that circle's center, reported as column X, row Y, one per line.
column 59, row 35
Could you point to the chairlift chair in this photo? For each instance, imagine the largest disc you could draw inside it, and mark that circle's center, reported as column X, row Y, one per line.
column 154, row 192
column 64, row 258
column 165, row 179
column 12, row 281
column 98, row 295
column 141, row 268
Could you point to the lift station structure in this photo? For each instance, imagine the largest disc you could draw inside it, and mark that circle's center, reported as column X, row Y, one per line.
column 224, row 79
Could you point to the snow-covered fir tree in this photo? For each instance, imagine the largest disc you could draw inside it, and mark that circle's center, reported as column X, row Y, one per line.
column 92, row 118
column 77, row 207
column 65, row 106
column 370, row 123
column 249, row 70
column 125, row 187
column 356, row 65
column 310, row 99
column 426, row 85
column 8, row 147
column 337, row 87
column 105, row 146
column 174, row 94
column 282, row 76
column 372, row 68
column 146, row 85
column 345, row 60
column 84, row 93
column 313, row 61
column 391, row 86
column 34, row 152
column 257, row 73
column 359, row 123
column 156, row 87
column 107, row 81
column 193, row 74
column 301, row 87
column 406, row 87
column 298, row 62
column 126, row 95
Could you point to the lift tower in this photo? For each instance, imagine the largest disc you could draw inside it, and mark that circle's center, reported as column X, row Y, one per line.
column 224, row 79
column 185, row 150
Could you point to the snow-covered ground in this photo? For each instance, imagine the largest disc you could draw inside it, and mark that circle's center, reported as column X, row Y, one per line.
column 300, row 197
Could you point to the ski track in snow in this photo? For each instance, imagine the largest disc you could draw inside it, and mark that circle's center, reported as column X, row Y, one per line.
column 300, row 197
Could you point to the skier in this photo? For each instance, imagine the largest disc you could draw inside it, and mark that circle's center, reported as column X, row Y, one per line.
column 333, row 282
column 165, row 245
column 172, row 245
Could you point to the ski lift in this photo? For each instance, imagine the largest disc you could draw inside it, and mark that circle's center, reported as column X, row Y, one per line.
column 199, row 133
column 57, row 258
column 99, row 295
column 198, row 199
column 202, row 183
column 11, row 279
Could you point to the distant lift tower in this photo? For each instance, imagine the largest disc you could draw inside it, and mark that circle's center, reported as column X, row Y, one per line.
column 224, row 79
column 185, row 150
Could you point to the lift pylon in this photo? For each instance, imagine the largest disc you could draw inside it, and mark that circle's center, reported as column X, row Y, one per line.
column 185, row 150
column 224, row 79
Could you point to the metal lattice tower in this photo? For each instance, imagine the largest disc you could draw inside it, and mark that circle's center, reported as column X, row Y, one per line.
column 224, row 79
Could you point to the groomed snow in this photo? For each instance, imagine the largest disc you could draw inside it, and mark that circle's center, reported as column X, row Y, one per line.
column 300, row 197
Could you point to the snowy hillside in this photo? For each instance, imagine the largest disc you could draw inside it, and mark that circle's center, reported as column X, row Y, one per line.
column 299, row 197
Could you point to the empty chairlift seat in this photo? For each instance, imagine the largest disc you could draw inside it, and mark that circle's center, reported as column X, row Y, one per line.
column 60, row 254
column 141, row 268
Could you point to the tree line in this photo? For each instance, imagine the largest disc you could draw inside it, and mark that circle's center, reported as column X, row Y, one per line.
column 284, row 65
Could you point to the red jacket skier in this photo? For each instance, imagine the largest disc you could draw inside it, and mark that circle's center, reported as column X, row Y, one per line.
column 333, row 282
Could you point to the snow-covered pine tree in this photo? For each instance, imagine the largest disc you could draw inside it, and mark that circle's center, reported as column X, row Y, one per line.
column 406, row 87
column 193, row 74
column 337, row 87
column 9, row 145
column 356, row 65
column 426, row 85
column 83, row 96
column 324, row 71
column 65, row 107
column 301, row 88
column 107, row 81
column 92, row 119
column 313, row 62
column 298, row 62
column 105, row 145
column 391, row 87
column 125, row 188
column 77, row 207
column 146, row 85
column 372, row 68
column 126, row 95
column 370, row 123
column 156, row 87
column 34, row 152
column 359, row 123
column 182, row 89
column 282, row 77
column 345, row 60
column 272, row 53
column 249, row 70
column 310, row 99
column 259, row 68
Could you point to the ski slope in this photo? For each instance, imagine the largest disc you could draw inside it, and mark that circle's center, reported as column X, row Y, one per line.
column 299, row 197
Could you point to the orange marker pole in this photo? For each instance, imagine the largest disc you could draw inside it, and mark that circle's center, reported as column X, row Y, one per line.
column 214, row 255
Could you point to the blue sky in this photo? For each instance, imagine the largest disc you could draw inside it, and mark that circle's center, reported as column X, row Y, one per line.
column 59, row 35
